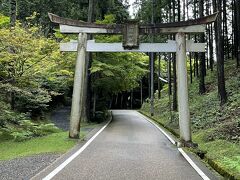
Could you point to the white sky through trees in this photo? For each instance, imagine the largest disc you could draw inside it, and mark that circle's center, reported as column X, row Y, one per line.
column 132, row 10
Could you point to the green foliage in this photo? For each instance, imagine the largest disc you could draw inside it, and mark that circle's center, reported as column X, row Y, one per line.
column 32, row 69
column 39, row 129
column 8, row 116
column 28, row 100
column 101, row 116
column 38, row 11
column 18, row 126
column 145, row 12
column 4, row 21
column 108, row 19
column 115, row 72
column 21, row 136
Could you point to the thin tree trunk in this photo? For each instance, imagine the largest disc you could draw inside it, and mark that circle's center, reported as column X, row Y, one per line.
column 238, row 30
column 236, row 36
column 220, row 53
column 233, row 29
column 169, row 76
column 179, row 10
column 141, row 92
column 190, row 54
column 195, row 38
column 211, row 60
column 122, row 100
column 13, row 13
column 175, row 103
column 88, row 89
column 207, row 10
column 159, row 74
column 202, row 88
column 94, row 102
column 132, row 99
column 191, row 68
column 111, row 103
column 149, row 77
column 225, row 29
column 184, row 10
column 116, row 101
column 196, row 65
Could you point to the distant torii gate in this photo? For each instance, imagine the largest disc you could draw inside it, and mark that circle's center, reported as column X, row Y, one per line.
column 131, row 31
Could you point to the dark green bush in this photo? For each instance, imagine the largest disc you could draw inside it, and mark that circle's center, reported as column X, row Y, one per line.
column 101, row 116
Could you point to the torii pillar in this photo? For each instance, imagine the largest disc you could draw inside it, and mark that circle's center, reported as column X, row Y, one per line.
column 182, row 89
column 77, row 97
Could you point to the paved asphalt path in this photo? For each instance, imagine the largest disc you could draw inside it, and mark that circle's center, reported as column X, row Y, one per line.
column 129, row 148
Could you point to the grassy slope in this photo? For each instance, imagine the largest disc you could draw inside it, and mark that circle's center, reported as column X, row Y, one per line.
column 215, row 128
column 54, row 143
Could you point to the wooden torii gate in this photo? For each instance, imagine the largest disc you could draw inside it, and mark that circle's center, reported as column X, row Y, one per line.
column 131, row 31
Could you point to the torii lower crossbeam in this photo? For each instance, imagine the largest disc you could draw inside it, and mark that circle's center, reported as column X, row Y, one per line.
column 170, row 46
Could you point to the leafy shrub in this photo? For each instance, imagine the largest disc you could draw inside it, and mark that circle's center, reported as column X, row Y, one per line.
column 20, row 136
column 39, row 129
column 45, row 129
column 8, row 116
column 26, row 129
column 229, row 131
column 101, row 116
column 34, row 100
column 4, row 21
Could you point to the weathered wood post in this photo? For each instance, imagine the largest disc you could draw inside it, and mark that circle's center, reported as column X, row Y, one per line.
column 77, row 97
column 182, row 89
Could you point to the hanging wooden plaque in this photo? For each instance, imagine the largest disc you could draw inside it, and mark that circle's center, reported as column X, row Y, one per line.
column 131, row 34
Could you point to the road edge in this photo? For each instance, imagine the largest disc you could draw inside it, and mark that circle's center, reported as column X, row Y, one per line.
column 174, row 142
column 73, row 152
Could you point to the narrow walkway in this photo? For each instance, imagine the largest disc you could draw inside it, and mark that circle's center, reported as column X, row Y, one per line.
column 60, row 117
column 129, row 148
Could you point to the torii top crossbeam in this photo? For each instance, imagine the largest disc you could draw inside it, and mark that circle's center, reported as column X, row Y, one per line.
column 76, row 26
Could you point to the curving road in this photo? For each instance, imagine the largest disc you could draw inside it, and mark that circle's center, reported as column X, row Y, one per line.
column 129, row 148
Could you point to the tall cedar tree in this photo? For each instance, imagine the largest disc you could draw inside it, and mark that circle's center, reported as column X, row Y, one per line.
column 235, row 32
column 89, row 64
column 13, row 12
column 210, row 38
column 220, row 52
column 202, row 88
column 237, row 14
column 225, row 28
column 196, row 72
column 169, row 61
column 190, row 54
column 174, row 106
